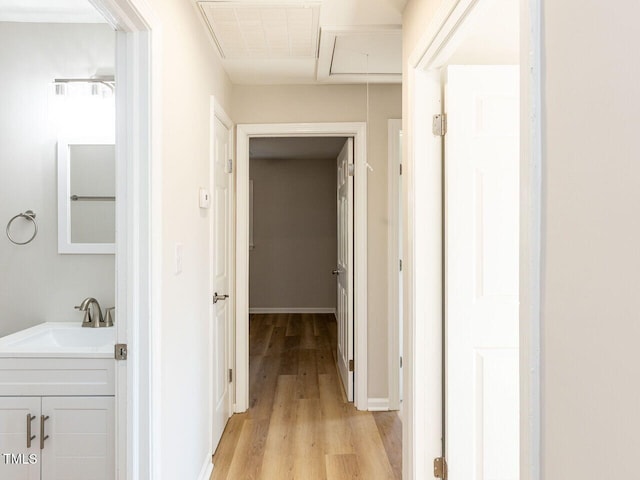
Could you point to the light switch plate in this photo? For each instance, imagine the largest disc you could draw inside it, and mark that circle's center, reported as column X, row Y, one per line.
column 205, row 198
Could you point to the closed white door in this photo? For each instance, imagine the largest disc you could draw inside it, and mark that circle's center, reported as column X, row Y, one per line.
column 221, row 266
column 81, row 438
column 482, row 251
column 345, row 268
column 19, row 421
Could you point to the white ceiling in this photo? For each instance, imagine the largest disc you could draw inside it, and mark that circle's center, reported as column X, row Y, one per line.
column 370, row 21
column 295, row 148
column 49, row 11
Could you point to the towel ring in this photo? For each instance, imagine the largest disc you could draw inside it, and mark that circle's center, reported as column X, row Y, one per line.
column 29, row 215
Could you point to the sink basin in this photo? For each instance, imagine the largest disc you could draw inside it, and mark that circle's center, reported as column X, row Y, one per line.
column 59, row 339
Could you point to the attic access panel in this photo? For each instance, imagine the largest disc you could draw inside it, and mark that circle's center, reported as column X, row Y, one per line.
column 249, row 30
column 357, row 54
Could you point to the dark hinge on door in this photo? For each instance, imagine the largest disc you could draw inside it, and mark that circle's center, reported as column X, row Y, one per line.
column 400, row 169
column 440, row 468
column 230, row 375
column 351, row 365
column 400, row 264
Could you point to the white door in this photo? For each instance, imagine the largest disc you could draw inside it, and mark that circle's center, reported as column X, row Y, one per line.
column 81, row 438
column 345, row 268
column 19, row 422
column 221, row 266
column 482, row 250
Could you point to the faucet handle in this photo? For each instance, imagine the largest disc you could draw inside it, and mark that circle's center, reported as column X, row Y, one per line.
column 108, row 317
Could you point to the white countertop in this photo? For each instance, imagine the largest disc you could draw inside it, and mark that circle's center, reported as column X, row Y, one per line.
column 59, row 340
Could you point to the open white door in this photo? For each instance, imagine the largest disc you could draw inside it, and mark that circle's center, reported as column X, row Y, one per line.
column 482, row 252
column 221, row 273
column 345, row 268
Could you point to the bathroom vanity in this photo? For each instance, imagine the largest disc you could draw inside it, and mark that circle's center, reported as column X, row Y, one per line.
column 57, row 390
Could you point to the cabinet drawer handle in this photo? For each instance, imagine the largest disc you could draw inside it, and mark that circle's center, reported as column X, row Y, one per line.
column 43, row 437
column 30, row 418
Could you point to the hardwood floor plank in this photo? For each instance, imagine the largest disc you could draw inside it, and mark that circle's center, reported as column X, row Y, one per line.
column 343, row 467
column 335, row 415
column 307, row 384
column 278, row 460
column 309, row 461
column 372, row 457
column 226, row 448
column 247, row 461
column 390, row 429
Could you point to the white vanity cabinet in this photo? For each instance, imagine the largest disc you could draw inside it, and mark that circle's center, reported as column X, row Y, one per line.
column 72, row 438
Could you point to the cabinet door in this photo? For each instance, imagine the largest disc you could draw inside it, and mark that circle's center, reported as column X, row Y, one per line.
column 17, row 461
column 81, row 443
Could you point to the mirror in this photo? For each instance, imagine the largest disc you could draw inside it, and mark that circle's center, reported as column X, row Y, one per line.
column 86, row 196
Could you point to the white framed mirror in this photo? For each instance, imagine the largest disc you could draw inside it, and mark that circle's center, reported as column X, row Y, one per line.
column 86, row 196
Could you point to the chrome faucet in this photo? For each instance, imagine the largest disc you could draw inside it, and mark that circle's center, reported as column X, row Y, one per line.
column 90, row 320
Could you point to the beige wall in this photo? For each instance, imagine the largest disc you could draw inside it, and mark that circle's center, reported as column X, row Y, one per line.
column 294, row 234
column 191, row 72
column 36, row 283
column 591, row 240
column 590, row 235
column 343, row 103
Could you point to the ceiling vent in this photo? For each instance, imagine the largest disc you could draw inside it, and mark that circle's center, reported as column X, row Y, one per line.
column 248, row 30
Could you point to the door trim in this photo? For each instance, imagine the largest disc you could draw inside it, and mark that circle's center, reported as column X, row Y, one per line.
column 430, row 54
column 138, row 233
column 244, row 134
column 394, row 126
column 217, row 112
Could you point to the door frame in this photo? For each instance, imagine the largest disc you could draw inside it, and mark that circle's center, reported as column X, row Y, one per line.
column 394, row 186
column 437, row 42
column 217, row 112
column 244, row 132
column 138, row 233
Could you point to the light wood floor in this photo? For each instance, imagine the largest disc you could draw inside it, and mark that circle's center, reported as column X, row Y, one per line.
column 299, row 425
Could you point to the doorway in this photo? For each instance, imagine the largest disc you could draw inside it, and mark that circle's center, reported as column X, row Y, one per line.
column 471, row 262
column 357, row 166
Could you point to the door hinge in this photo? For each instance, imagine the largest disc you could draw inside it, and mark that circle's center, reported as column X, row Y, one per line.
column 351, row 365
column 400, row 265
column 351, row 169
column 400, row 362
column 120, row 351
column 230, row 162
column 400, row 169
column 230, row 375
column 440, row 124
column 440, row 468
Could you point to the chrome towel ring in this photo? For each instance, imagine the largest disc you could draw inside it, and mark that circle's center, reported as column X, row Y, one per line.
column 29, row 215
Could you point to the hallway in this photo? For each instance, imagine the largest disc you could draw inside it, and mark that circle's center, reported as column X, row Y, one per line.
column 299, row 425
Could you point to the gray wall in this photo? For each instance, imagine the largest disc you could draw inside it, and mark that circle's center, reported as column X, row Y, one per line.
column 294, row 234
column 36, row 283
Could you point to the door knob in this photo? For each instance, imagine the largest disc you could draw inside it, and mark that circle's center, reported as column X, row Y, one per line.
column 217, row 297
column 335, row 272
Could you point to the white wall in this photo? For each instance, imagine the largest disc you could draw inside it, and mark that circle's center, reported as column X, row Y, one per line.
column 36, row 283
column 590, row 234
column 191, row 72
column 344, row 103
column 294, row 233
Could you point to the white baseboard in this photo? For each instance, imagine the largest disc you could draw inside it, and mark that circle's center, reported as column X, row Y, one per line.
column 206, row 470
column 293, row 310
column 378, row 404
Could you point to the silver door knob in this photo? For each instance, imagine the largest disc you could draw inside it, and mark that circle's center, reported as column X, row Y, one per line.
column 217, row 297
column 335, row 272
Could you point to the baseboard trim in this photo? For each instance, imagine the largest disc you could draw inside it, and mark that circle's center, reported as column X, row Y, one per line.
column 207, row 469
column 293, row 310
column 378, row 404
